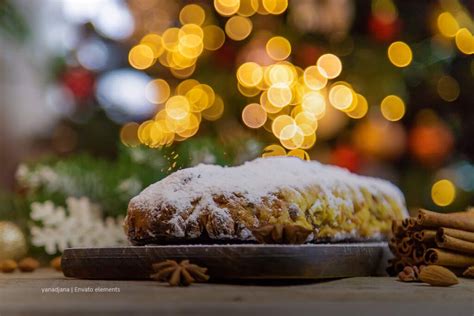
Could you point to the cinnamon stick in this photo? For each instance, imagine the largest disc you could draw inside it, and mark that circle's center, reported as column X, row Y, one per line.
column 397, row 228
column 405, row 247
column 394, row 267
column 405, row 223
column 425, row 235
column 408, row 223
column 393, row 246
column 447, row 258
column 456, row 244
column 458, row 220
column 456, row 233
column 412, row 223
column 418, row 253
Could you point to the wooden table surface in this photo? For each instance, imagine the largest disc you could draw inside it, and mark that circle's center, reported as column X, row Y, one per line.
column 23, row 293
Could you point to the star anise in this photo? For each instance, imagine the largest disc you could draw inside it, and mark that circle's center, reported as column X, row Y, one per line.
column 281, row 234
column 183, row 273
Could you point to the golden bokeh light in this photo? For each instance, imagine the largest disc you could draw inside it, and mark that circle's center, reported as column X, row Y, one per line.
column 295, row 141
column 191, row 128
column 177, row 125
column 447, row 24
column 157, row 91
column 273, row 151
column 170, row 38
column 261, row 8
column 341, row 97
column 249, row 74
column 314, row 79
column 275, row 6
column 168, row 139
column 400, row 54
column 156, row 134
column 289, row 131
column 200, row 97
column 226, row 7
column 163, row 59
column 299, row 153
column 307, row 122
column 248, row 91
column 280, row 122
column 248, row 7
column 191, row 29
column 329, row 66
column 267, row 105
column 354, row 103
column 281, row 73
column 308, row 141
column 299, row 89
column 361, row 108
column 129, row 134
column 214, row 37
column 143, row 132
column 292, row 100
column 182, row 73
column 215, row 111
column 392, row 108
column 314, row 103
column 184, row 86
column 190, row 44
column 155, row 42
column 179, row 61
column 448, row 88
column 465, row 41
column 161, row 115
column 141, row 56
column 297, row 110
column 279, row 94
column 443, row 192
column 192, row 13
column 177, row 107
column 278, row 48
column 254, row 116
column 238, row 27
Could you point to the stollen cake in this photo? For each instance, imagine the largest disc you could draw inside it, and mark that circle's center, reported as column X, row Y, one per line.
column 212, row 204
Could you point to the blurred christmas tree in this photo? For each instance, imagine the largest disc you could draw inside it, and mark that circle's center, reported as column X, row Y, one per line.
column 380, row 87
column 400, row 76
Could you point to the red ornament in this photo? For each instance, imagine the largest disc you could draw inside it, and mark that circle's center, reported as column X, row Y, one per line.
column 384, row 31
column 80, row 82
column 432, row 143
column 346, row 157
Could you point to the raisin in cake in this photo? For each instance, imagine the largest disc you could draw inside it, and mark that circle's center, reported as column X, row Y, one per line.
column 210, row 203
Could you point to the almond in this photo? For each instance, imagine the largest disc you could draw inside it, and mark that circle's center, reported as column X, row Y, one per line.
column 438, row 276
column 8, row 266
column 469, row 272
column 28, row 264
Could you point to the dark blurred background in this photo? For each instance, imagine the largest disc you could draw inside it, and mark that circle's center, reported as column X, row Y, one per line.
column 82, row 84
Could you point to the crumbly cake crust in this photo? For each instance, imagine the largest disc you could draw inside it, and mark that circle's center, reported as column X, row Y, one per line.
column 210, row 203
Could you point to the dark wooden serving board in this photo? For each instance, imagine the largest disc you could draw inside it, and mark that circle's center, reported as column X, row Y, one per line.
column 312, row 261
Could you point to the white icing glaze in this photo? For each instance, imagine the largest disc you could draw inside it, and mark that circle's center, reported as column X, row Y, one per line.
column 253, row 180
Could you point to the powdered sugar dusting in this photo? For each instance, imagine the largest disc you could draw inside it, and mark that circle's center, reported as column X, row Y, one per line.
column 195, row 188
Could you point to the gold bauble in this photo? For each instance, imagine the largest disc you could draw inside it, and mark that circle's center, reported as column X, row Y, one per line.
column 12, row 241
